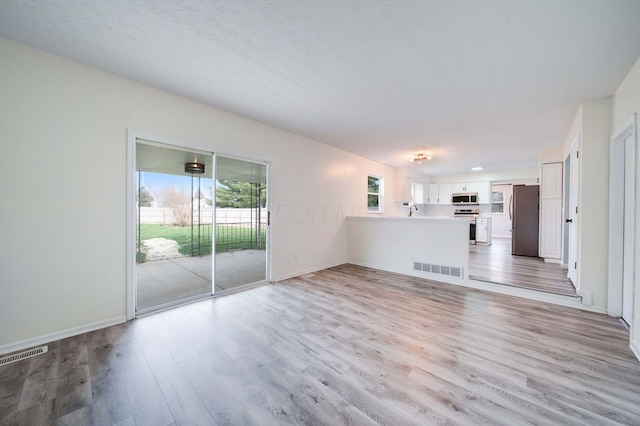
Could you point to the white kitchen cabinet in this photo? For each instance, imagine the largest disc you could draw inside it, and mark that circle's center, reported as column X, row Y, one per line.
column 444, row 193
column 431, row 193
column 484, row 192
column 551, row 229
column 403, row 189
column 417, row 193
column 551, row 181
column 465, row 187
column 483, row 230
column 550, row 242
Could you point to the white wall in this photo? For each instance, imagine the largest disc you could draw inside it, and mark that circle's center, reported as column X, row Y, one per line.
column 63, row 139
column 551, row 155
column 626, row 102
column 593, row 122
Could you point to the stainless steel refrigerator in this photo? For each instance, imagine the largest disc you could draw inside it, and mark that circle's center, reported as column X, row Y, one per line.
column 525, row 213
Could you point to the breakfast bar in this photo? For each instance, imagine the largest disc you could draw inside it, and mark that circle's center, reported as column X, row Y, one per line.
column 433, row 247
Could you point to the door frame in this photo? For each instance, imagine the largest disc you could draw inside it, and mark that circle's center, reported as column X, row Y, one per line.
column 132, row 138
column 616, row 214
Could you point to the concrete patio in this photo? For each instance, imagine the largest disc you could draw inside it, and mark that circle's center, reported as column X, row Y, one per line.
column 170, row 280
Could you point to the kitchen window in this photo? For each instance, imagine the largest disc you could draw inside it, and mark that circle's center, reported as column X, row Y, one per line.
column 497, row 202
column 374, row 194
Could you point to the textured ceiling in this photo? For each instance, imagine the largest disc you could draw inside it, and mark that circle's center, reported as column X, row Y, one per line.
column 476, row 82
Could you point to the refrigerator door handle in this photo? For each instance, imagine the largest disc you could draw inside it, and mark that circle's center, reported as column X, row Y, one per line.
column 511, row 210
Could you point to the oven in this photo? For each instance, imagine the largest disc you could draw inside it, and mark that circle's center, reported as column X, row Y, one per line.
column 469, row 215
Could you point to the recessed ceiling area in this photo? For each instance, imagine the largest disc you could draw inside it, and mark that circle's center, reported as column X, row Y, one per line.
column 473, row 82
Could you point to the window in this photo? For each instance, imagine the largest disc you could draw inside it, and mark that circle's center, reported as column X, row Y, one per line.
column 374, row 194
column 497, row 202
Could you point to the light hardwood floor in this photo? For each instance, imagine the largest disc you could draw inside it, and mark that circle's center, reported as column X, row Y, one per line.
column 496, row 264
column 347, row 345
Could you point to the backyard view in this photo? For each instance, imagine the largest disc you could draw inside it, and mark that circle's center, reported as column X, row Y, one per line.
column 173, row 223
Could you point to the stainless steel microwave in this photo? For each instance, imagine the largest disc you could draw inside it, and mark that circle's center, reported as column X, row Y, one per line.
column 464, row 199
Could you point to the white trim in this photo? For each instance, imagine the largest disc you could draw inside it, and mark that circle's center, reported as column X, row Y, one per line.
column 131, row 225
column 538, row 296
column 635, row 348
column 616, row 196
column 549, row 260
column 58, row 335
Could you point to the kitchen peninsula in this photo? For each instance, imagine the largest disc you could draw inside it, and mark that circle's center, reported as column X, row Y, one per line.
column 435, row 247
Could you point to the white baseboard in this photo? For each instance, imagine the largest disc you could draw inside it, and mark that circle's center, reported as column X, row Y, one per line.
column 547, row 260
column 635, row 348
column 308, row 271
column 540, row 296
column 52, row 337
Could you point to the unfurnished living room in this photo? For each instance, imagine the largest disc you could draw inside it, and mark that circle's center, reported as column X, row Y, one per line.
column 319, row 212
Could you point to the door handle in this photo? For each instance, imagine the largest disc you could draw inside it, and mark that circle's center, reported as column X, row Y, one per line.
column 568, row 220
column 511, row 208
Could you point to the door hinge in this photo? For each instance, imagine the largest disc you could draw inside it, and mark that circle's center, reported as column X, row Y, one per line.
column 575, row 265
column 268, row 218
column 576, row 210
column 577, row 154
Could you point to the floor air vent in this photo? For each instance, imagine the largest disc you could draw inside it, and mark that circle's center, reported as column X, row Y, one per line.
column 438, row 269
column 23, row 355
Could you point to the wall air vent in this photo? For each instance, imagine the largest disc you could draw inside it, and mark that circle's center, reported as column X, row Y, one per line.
column 452, row 271
column 23, row 355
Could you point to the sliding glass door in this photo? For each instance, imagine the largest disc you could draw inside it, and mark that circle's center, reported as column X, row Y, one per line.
column 196, row 235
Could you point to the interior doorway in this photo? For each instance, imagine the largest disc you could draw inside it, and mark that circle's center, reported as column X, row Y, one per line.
column 495, row 263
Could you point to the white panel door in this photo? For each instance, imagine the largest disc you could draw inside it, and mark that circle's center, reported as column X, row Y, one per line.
column 573, row 218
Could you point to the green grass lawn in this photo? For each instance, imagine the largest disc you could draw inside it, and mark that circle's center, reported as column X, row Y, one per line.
column 227, row 238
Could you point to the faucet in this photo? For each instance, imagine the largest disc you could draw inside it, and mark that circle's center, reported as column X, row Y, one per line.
column 411, row 207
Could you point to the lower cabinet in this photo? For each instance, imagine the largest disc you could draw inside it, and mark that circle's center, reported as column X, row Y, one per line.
column 483, row 230
column 550, row 244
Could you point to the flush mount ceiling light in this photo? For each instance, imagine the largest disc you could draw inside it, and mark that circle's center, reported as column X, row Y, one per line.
column 419, row 158
column 475, row 169
column 195, row 168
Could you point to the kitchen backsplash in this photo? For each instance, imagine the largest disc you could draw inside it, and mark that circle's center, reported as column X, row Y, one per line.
column 438, row 210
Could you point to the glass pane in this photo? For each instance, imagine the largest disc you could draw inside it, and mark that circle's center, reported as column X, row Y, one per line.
column 173, row 228
column 241, row 223
column 497, row 208
column 373, row 203
column 497, row 196
column 373, row 185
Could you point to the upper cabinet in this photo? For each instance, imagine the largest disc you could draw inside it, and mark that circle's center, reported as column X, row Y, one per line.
column 444, row 193
column 417, row 192
column 465, row 187
column 431, row 192
column 403, row 189
column 484, row 192
column 551, row 181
